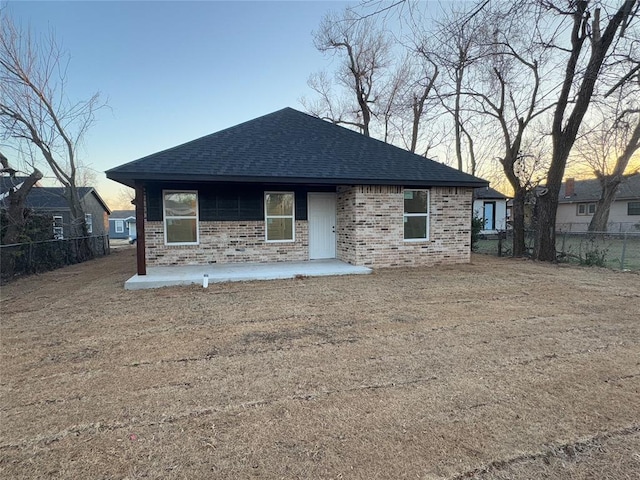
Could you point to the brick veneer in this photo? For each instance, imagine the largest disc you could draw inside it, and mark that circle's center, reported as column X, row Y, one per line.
column 225, row 242
column 370, row 227
column 369, row 231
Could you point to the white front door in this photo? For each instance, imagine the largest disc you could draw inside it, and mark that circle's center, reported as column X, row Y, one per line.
column 322, row 225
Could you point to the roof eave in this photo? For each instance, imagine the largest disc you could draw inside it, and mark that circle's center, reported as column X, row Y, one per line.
column 129, row 179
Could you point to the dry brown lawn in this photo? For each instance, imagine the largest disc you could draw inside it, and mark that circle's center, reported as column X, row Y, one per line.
column 501, row 369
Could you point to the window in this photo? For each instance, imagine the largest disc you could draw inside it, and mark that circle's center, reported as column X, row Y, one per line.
column 586, row 208
column 58, row 230
column 633, row 208
column 88, row 220
column 416, row 214
column 119, row 226
column 279, row 218
column 180, row 217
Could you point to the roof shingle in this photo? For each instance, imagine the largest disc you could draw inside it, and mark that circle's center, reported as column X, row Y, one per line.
column 289, row 146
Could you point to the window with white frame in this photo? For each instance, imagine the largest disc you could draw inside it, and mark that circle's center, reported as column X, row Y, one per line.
column 58, row 230
column 119, row 226
column 180, row 217
column 279, row 216
column 416, row 215
column 88, row 220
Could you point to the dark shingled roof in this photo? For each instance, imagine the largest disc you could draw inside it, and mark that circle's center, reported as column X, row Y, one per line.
column 488, row 192
column 120, row 214
column 289, row 146
column 46, row 198
column 589, row 190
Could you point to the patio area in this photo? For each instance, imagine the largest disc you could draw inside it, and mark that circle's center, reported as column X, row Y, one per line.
column 157, row 277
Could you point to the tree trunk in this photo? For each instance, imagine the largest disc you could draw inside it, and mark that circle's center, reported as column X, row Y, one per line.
column 82, row 244
column 610, row 183
column 545, row 222
column 517, row 214
column 16, row 222
column 601, row 216
column 15, row 210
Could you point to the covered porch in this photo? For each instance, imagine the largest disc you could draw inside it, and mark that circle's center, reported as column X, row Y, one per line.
column 157, row 277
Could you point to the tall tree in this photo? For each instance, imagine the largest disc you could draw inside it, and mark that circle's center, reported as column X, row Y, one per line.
column 593, row 34
column 364, row 50
column 508, row 91
column 34, row 108
column 456, row 50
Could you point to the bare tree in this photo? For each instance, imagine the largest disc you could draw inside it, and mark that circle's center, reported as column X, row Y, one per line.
column 34, row 108
column 364, row 49
column 591, row 25
column 508, row 91
column 608, row 148
column 455, row 49
column 15, row 201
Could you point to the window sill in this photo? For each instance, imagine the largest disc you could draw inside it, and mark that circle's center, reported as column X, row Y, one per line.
column 416, row 240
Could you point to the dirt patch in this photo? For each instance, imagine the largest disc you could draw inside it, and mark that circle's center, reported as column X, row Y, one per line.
column 497, row 369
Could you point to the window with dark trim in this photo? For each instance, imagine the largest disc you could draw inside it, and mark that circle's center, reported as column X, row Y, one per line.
column 633, row 208
column 586, row 209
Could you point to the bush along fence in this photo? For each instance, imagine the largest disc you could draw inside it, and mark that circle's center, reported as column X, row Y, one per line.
column 36, row 257
column 619, row 251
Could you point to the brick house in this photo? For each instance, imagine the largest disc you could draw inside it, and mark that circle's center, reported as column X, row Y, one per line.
column 291, row 187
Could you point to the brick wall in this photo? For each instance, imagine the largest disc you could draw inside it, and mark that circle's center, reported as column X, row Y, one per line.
column 371, row 230
column 225, row 242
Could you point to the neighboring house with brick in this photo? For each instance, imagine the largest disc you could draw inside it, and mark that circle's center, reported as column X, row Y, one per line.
column 491, row 206
column 578, row 199
column 288, row 187
column 122, row 224
column 51, row 201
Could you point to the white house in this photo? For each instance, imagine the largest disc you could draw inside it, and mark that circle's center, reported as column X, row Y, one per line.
column 491, row 206
column 578, row 199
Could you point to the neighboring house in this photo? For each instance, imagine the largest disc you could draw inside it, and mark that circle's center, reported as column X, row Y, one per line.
column 122, row 224
column 51, row 201
column 578, row 200
column 491, row 206
column 288, row 187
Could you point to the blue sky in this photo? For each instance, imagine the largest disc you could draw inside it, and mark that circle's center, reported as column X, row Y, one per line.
column 175, row 71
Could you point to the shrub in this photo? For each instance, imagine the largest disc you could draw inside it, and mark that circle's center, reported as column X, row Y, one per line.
column 476, row 225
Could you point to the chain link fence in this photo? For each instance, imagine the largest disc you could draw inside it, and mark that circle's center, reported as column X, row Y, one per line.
column 619, row 251
column 36, row 257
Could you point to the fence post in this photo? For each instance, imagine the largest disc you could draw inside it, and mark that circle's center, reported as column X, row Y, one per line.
column 624, row 248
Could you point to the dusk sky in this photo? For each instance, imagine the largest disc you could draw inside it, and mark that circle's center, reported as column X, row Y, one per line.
column 175, row 71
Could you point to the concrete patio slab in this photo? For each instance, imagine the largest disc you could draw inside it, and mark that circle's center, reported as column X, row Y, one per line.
column 157, row 277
